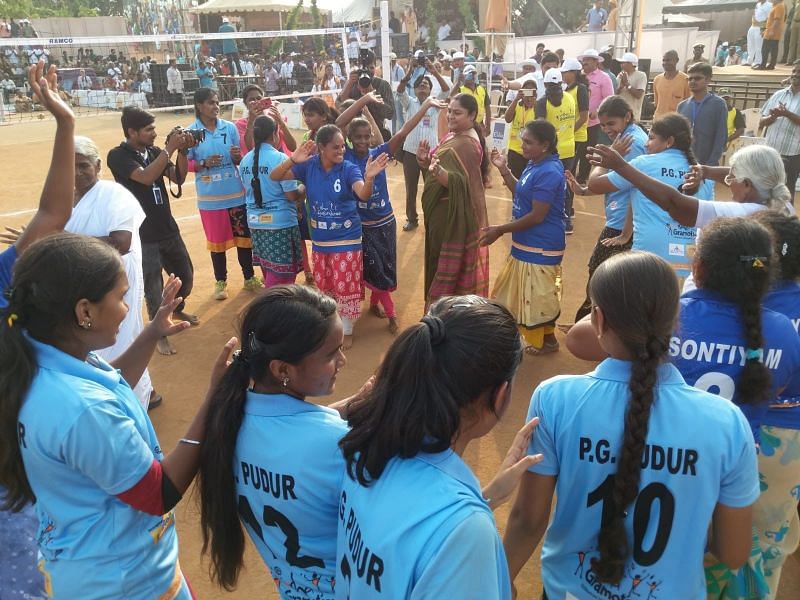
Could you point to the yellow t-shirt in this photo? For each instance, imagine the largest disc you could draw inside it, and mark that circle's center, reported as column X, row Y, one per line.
column 563, row 118
column 521, row 118
column 480, row 96
column 731, row 119
column 669, row 92
column 582, row 134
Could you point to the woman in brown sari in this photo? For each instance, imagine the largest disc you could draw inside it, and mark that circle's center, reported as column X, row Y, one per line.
column 454, row 206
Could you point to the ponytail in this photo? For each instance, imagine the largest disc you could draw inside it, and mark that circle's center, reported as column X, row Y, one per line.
column 638, row 294
column 285, row 323
column 263, row 131
column 736, row 259
column 465, row 346
column 49, row 280
column 677, row 127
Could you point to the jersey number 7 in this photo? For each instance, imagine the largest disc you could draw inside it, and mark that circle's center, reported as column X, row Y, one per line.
column 274, row 518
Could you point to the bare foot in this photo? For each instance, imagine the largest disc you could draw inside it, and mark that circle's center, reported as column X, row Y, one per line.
column 164, row 347
column 393, row 327
column 348, row 342
column 188, row 317
column 377, row 310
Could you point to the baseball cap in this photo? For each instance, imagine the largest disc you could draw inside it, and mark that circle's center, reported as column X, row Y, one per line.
column 553, row 76
column 392, row 56
column 722, row 92
column 590, row 53
column 629, row 57
column 699, row 45
column 528, row 62
column 226, row 20
column 725, row 44
column 470, row 69
column 571, row 64
column 458, row 55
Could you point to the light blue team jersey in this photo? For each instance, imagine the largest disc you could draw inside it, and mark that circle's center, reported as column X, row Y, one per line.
column 377, row 210
column 85, row 439
column 277, row 211
column 616, row 203
column 332, row 203
column 699, row 452
column 653, row 229
column 542, row 244
column 217, row 187
column 288, row 471
column 784, row 298
column 422, row 530
column 708, row 349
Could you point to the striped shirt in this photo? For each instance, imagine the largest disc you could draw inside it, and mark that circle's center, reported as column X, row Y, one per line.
column 427, row 129
column 783, row 135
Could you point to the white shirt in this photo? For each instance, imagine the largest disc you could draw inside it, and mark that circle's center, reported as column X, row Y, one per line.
column 422, row 33
column 287, row 69
column 174, row 81
column 637, row 81
column 249, row 68
column 146, row 86
column 444, row 32
column 762, row 12
column 84, row 82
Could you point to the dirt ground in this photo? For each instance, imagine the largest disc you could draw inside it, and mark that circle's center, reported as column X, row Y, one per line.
column 182, row 378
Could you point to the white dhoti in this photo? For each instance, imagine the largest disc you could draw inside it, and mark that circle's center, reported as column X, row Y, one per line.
column 754, row 40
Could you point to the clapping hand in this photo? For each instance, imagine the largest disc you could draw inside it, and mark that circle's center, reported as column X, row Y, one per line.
column 498, row 160
column 577, row 188
column 11, row 235
column 376, row 165
column 489, row 235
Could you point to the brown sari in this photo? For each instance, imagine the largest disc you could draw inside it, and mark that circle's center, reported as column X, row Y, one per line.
column 454, row 214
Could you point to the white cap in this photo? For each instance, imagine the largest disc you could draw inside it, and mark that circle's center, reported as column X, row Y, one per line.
column 571, row 64
column 392, row 56
column 528, row 62
column 553, row 76
column 699, row 45
column 725, row 44
column 590, row 53
column 419, row 54
column 226, row 20
column 606, row 48
column 629, row 57
column 470, row 69
column 457, row 55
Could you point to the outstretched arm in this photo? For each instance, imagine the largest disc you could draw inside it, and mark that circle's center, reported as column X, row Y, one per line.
column 396, row 143
column 58, row 194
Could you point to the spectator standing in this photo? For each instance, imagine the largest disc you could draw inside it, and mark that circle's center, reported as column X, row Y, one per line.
column 596, row 17
column 469, row 85
column 229, row 47
column 204, row 74
column 600, row 88
column 444, row 31
column 84, row 81
column 787, row 33
column 670, row 87
column 736, row 122
column 174, row 83
column 356, row 86
column 754, row 40
column 270, row 79
column 286, row 74
column 781, row 116
column 697, row 56
column 140, row 166
column 611, row 24
column 394, row 23
column 772, row 36
column 794, row 42
column 631, row 83
column 708, row 115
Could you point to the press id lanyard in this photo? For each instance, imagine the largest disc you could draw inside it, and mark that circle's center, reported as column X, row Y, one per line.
column 158, row 196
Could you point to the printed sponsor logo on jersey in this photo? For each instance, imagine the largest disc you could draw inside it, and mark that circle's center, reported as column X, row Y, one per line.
column 677, row 250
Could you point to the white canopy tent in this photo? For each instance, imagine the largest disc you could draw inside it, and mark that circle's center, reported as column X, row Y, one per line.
column 341, row 11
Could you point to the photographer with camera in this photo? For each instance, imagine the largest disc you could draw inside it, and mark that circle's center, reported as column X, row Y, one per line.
column 363, row 81
column 140, row 166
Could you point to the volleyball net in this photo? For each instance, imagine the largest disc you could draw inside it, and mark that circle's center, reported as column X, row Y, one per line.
column 99, row 75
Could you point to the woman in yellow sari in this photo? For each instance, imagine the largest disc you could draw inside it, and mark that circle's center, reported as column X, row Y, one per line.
column 454, row 206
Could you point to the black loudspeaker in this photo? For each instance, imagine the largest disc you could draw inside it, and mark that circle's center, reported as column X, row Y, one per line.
column 644, row 66
column 399, row 44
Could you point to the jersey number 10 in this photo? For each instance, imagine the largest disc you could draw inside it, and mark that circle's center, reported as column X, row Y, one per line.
column 642, row 511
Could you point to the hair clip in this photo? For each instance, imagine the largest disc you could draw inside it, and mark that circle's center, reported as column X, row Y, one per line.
column 11, row 318
column 785, row 249
column 240, row 358
column 754, row 354
column 757, row 262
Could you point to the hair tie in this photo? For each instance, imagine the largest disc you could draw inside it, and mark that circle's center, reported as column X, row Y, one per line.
column 11, row 318
column 240, row 358
column 757, row 262
column 8, row 293
column 754, row 354
column 785, row 249
column 436, row 329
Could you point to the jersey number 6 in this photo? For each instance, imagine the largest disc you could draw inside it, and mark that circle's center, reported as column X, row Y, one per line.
column 274, row 518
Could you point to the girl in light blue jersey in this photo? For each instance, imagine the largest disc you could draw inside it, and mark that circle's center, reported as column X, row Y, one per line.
column 413, row 520
column 270, row 459
column 668, row 159
column 616, row 120
column 775, row 513
column 74, row 437
column 623, row 439
column 271, row 208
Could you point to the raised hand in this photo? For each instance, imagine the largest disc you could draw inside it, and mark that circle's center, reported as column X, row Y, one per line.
column 162, row 322
column 45, row 88
column 605, row 156
column 376, row 165
column 432, row 102
column 424, row 153
column 623, row 144
column 304, row 152
column 514, row 465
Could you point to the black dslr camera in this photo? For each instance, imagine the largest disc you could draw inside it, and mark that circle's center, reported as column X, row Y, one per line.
column 199, row 135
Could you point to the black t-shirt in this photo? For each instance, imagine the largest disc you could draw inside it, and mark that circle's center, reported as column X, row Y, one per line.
column 158, row 224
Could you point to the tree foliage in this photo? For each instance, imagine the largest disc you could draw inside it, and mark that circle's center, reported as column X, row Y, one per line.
column 21, row 9
column 570, row 14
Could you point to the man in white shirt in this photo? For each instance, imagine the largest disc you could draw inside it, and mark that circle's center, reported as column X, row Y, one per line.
column 174, row 83
column 422, row 33
column 372, row 37
column 249, row 67
column 354, row 46
column 270, row 79
column 444, row 31
column 84, row 81
column 286, row 74
column 631, row 83
column 754, row 39
column 8, row 88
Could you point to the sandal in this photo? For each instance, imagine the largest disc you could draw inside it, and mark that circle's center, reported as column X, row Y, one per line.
column 546, row 349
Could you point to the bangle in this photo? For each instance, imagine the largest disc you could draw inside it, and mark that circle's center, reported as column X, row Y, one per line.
column 189, row 442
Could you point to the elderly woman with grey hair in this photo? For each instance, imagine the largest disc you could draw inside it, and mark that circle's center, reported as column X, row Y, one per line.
column 107, row 210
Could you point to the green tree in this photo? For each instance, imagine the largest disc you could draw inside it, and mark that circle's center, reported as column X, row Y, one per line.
column 19, row 9
column 570, row 14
